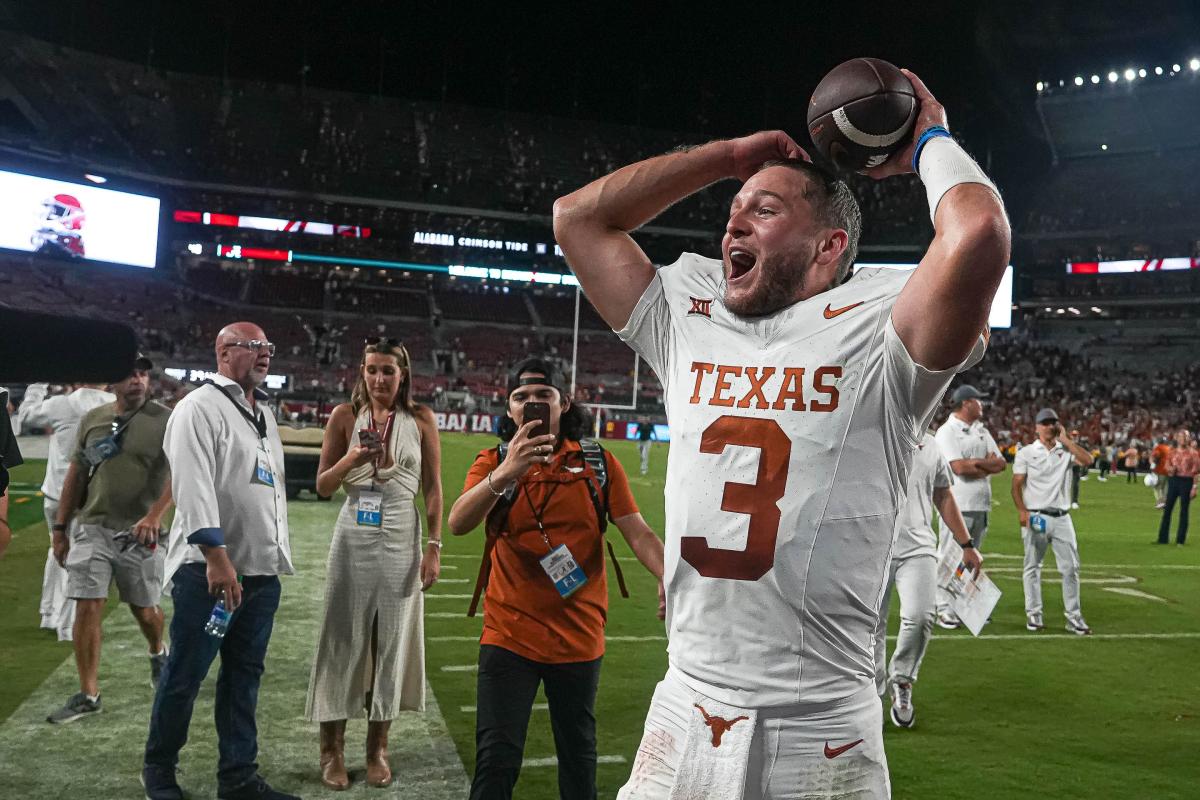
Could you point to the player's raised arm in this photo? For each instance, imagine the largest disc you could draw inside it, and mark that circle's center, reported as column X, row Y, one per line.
column 940, row 311
column 592, row 224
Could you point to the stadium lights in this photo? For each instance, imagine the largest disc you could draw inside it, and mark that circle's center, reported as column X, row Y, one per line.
column 1194, row 64
column 1078, row 80
column 95, row 178
column 1103, row 147
column 1097, row 310
column 1158, row 70
column 1141, row 73
column 1048, row 309
column 1130, row 74
column 1112, row 77
column 1175, row 68
column 1073, row 310
column 1060, row 311
column 1040, row 86
column 1095, row 79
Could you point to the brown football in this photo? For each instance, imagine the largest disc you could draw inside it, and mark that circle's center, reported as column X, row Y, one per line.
column 861, row 113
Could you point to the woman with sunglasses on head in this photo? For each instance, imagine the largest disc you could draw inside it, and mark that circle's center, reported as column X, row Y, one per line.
column 381, row 447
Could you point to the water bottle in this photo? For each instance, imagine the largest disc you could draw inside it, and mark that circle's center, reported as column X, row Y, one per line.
column 218, row 621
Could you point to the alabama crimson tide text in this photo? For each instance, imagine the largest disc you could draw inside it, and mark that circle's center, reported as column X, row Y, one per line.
column 766, row 388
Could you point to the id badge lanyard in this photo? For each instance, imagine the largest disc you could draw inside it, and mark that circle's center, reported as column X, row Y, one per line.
column 370, row 503
column 559, row 564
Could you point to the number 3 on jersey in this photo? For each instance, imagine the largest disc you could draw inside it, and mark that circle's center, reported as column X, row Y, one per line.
column 759, row 499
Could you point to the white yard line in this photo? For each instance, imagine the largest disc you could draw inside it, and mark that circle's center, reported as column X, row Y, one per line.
column 461, row 668
column 536, row 707
column 430, row 596
column 1136, row 593
column 1033, row 637
column 552, row 761
column 450, row 615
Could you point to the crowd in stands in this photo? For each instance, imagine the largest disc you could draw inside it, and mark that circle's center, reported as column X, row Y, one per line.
column 1107, row 403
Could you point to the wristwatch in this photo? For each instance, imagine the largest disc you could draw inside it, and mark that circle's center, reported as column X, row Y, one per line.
column 970, row 545
column 436, row 543
column 58, row 526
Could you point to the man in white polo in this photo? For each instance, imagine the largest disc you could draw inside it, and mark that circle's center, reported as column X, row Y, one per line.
column 1041, row 491
column 974, row 458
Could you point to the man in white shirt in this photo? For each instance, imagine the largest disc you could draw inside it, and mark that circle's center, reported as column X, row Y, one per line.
column 974, row 458
column 229, row 543
column 914, row 574
column 796, row 399
column 1041, row 491
column 61, row 413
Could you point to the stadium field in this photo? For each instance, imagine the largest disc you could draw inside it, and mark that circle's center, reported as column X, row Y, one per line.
column 1009, row 715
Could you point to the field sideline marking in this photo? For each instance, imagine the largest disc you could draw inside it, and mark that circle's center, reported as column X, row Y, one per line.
column 1014, row 637
column 1136, row 593
column 552, row 761
column 429, row 596
column 606, row 638
column 450, row 615
column 473, row 709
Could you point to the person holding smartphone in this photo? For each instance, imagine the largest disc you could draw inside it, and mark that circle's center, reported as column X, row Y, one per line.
column 382, row 448
column 1041, row 491
column 546, row 585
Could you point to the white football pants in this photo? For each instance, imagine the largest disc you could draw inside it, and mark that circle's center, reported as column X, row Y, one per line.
column 915, row 580
column 797, row 752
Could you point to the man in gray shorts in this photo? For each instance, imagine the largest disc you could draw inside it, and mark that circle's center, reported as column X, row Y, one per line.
column 117, row 490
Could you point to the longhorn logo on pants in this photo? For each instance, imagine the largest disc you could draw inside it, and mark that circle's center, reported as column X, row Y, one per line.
column 718, row 724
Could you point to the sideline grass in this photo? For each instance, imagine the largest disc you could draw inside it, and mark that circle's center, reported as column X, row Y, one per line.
column 1029, row 716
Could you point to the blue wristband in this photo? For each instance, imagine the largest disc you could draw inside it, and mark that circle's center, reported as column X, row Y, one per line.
column 932, row 132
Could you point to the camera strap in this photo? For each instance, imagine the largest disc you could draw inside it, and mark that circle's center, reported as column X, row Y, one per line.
column 257, row 421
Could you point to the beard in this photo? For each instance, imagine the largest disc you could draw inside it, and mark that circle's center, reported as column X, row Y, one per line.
column 779, row 284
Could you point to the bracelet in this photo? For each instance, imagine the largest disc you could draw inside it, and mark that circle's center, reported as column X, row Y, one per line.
column 58, row 526
column 493, row 488
column 436, row 543
column 930, row 133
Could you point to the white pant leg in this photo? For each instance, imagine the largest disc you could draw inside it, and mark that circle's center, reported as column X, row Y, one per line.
column 663, row 740
column 1035, row 551
column 57, row 610
column 1061, row 532
column 881, row 626
column 797, row 765
column 915, row 579
column 644, row 451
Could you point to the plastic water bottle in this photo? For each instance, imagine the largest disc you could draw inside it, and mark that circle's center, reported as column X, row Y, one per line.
column 218, row 622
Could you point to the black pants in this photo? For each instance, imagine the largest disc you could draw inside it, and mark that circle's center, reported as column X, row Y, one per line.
column 1131, row 474
column 507, row 686
column 1177, row 489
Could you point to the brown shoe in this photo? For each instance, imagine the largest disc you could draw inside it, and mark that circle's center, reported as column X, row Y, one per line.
column 379, row 774
column 333, row 755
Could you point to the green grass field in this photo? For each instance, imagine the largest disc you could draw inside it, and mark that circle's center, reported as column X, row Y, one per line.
column 1009, row 715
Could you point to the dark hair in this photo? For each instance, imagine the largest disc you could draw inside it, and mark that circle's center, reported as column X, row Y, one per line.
column 834, row 204
column 388, row 347
column 574, row 424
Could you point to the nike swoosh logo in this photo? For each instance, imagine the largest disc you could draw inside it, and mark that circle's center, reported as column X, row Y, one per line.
column 834, row 752
column 830, row 313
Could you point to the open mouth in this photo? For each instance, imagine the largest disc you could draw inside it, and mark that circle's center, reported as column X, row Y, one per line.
column 741, row 262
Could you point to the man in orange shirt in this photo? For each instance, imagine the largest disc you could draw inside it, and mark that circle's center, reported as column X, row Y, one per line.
column 1181, row 485
column 546, row 604
column 1159, row 457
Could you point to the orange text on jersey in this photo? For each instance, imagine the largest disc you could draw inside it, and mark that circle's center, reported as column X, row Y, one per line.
column 765, row 388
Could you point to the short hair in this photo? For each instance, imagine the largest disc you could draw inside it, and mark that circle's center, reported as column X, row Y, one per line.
column 834, row 203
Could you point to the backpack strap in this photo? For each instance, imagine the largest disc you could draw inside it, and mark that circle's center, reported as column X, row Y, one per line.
column 595, row 457
column 493, row 527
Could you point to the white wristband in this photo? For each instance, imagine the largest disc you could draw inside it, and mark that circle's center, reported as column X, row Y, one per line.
column 944, row 165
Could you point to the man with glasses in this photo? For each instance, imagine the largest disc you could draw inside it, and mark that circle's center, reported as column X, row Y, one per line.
column 229, row 542
column 974, row 458
column 116, row 490
column 1041, row 491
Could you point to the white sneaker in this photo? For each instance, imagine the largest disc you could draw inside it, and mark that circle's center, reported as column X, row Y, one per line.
column 1033, row 622
column 948, row 621
column 1077, row 626
column 903, row 714
column 1103, row 479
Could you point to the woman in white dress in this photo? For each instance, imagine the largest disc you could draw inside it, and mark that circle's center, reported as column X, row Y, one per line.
column 380, row 447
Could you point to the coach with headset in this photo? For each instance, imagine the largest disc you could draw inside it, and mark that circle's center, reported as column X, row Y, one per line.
column 546, row 497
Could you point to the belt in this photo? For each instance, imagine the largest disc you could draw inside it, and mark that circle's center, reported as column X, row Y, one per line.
column 1049, row 512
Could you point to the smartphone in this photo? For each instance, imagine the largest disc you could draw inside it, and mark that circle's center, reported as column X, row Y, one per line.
column 368, row 437
column 535, row 410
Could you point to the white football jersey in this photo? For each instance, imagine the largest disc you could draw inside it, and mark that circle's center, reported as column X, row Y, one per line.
column 914, row 524
column 791, row 440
